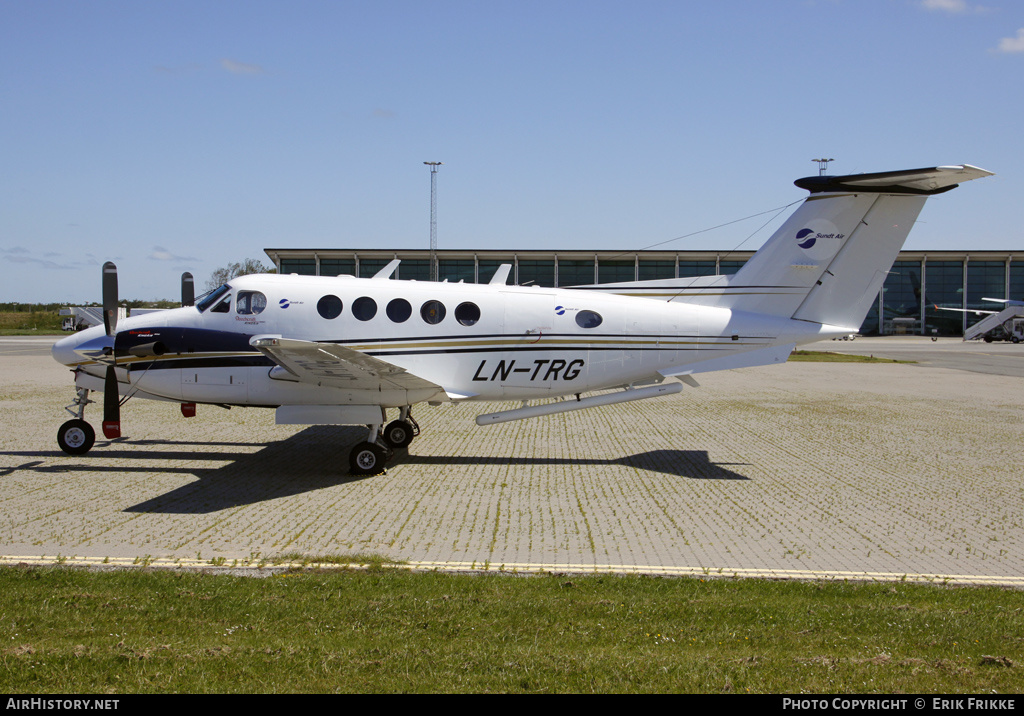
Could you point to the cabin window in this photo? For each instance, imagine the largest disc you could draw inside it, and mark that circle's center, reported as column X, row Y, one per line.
column 364, row 308
column 399, row 310
column 588, row 319
column 467, row 313
column 250, row 303
column 329, row 306
column 433, row 312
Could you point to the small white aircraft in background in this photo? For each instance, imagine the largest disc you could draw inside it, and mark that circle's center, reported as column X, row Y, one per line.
column 344, row 350
column 1010, row 320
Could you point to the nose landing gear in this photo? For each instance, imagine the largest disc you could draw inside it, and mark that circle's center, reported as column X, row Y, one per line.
column 76, row 437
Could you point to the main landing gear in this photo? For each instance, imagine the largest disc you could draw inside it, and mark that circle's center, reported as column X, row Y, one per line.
column 369, row 457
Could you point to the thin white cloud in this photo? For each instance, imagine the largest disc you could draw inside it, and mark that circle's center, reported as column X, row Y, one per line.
column 162, row 254
column 22, row 259
column 956, row 7
column 1012, row 45
column 241, row 68
column 945, row 5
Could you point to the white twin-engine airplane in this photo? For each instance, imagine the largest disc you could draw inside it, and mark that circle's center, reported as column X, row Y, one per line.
column 343, row 350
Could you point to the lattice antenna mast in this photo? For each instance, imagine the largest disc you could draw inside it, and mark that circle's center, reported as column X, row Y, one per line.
column 433, row 217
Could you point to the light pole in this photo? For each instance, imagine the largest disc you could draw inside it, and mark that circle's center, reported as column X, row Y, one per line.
column 433, row 218
column 822, row 165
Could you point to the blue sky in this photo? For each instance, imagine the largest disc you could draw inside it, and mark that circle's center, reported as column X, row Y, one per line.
column 173, row 136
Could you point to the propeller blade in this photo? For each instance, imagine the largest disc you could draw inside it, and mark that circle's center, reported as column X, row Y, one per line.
column 110, row 298
column 188, row 290
column 111, row 406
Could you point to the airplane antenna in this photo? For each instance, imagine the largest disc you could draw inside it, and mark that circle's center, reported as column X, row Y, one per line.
column 822, row 165
column 433, row 217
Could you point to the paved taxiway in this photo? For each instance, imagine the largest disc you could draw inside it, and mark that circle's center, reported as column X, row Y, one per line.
column 800, row 470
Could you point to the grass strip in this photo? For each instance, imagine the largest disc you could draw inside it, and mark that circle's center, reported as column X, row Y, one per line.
column 389, row 630
column 829, row 357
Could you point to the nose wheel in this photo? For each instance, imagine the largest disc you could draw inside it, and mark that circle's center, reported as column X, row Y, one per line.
column 76, row 437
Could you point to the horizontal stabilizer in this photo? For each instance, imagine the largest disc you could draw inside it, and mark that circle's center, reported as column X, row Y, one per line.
column 908, row 181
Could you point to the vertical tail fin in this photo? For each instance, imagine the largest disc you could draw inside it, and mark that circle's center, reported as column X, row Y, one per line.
column 828, row 261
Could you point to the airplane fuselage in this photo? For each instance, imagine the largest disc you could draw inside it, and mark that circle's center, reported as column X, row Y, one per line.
column 479, row 341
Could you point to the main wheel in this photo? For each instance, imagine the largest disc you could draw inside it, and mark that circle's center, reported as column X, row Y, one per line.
column 366, row 458
column 398, row 434
column 76, row 437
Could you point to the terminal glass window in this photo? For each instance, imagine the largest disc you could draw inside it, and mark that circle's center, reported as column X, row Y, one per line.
column 688, row 269
column 488, row 267
column 1016, row 282
column 369, row 267
column 727, row 267
column 651, row 270
column 943, row 286
column 616, row 271
column 575, row 272
column 337, row 267
column 901, row 299
column 414, row 270
column 985, row 279
column 456, row 270
column 536, row 273
column 303, row 267
column 870, row 325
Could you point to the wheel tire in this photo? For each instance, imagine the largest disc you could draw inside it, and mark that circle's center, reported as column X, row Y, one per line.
column 76, row 437
column 366, row 458
column 398, row 434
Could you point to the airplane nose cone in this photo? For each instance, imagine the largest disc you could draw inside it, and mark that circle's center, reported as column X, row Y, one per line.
column 63, row 351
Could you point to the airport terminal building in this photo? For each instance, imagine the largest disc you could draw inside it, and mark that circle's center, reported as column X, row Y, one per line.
column 919, row 282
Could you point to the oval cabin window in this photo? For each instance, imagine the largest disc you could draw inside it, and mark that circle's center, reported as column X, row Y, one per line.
column 329, row 306
column 364, row 308
column 433, row 312
column 588, row 319
column 467, row 313
column 399, row 310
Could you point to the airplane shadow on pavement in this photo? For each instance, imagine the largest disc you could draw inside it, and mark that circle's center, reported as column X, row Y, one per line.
column 313, row 459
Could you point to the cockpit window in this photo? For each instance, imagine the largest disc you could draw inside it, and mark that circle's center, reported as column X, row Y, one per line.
column 222, row 307
column 209, row 299
column 249, row 303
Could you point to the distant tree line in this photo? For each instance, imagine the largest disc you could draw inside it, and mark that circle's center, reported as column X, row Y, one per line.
column 243, row 268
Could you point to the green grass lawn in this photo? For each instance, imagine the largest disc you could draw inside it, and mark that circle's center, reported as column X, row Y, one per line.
column 829, row 357
column 388, row 630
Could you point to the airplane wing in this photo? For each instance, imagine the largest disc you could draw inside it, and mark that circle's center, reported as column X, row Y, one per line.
column 329, row 364
column 977, row 312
